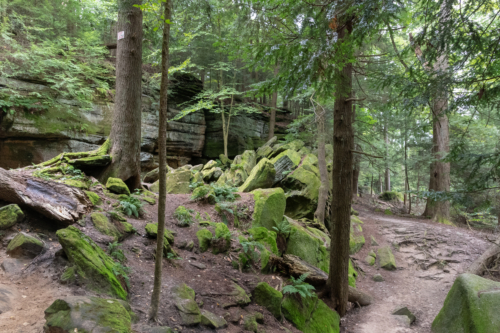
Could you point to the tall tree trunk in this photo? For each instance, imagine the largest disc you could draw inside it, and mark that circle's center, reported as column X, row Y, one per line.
column 319, row 215
column 371, row 186
column 355, row 172
column 125, row 136
column 162, row 146
column 342, row 180
column 274, row 105
column 387, row 178
column 380, row 184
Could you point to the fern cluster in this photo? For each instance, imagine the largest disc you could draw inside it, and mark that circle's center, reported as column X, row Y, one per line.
column 115, row 252
column 131, row 206
column 215, row 193
column 299, row 287
column 183, row 216
column 283, row 228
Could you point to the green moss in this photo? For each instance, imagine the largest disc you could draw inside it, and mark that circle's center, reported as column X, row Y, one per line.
column 24, row 245
column 265, row 237
column 168, row 237
column 391, row 195
column 93, row 265
column 69, row 275
column 149, row 200
column 356, row 242
column 250, row 322
column 104, row 226
column 10, row 215
column 387, row 212
column 268, row 297
column 116, row 185
column 94, row 198
column 311, row 315
column 117, row 216
column 262, row 176
column 301, row 188
column 204, row 239
column 471, row 307
column 269, row 207
column 76, row 183
column 81, row 313
column 128, row 227
column 185, row 303
column 91, row 161
column 352, row 275
column 386, row 258
column 291, row 154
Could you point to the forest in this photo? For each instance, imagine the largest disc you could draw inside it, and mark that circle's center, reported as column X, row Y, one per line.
column 249, row 166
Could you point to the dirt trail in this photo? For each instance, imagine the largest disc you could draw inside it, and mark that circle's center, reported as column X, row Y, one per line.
column 429, row 257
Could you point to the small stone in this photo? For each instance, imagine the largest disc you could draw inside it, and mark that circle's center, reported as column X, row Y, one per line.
column 378, row 278
column 24, row 245
column 386, row 258
column 250, row 322
column 372, row 254
column 374, row 242
column 212, row 320
column 403, row 320
column 370, row 260
column 403, row 311
column 198, row 265
column 190, row 246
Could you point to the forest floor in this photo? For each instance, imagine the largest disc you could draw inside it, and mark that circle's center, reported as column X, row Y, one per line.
column 429, row 257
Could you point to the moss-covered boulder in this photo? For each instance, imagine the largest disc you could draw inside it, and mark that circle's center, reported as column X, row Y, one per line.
column 88, row 314
column 212, row 320
column 10, row 215
column 309, row 244
column 234, row 177
column 386, row 259
column 269, row 207
column 93, row 266
column 265, row 237
column 471, row 307
column 225, row 160
column 24, row 245
column 247, row 160
column 352, row 275
column 177, row 182
column 301, row 189
column 211, row 175
column 251, row 322
column 204, row 239
column 237, row 296
column 105, row 226
column 295, row 145
column 94, row 198
column 268, row 297
column 285, row 163
column 210, row 164
column 116, row 185
column 187, row 306
column 82, row 184
column 168, row 238
column 262, row 176
column 310, row 315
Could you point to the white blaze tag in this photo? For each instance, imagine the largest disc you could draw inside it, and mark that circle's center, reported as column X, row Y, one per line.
column 121, row 35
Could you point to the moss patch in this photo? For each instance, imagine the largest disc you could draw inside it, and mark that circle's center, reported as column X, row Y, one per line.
column 262, row 176
column 104, row 226
column 10, row 215
column 116, row 185
column 269, row 207
column 268, row 297
column 311, row 315
column 24, row 245
column 266, row 238
column 94, row 198
column 204, row 239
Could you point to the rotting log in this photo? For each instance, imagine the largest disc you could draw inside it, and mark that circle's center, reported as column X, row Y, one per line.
column 480, row 265
column 294, row 266
column 59, row 202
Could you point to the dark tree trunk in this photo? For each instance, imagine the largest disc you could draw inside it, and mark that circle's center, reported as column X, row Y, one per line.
column 355, row 173
column 319, row 215
column 162, row 146
column 125, row 133
column 274, row 105
column 342, row 181
column 387, row 170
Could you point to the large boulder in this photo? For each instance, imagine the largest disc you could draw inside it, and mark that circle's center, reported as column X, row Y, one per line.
column 302, row 188
column 211, row 175
column 310, row 315
column 309, row 244
column 178, row 181
column 269, row 207
column 88, row 314
column 92, row 265
column 105, row 226
column 24, row 245
column 262, row 176
column 471, row 307
column 153, row 175
column 234, row 177
column 10, row 215
column 268, row 297
column 246, row 161
column 295, row 145
column 116, row 185
column 187, row 306
column 285, row 163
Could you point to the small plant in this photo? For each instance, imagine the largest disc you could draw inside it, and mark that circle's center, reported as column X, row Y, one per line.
column 137, row 191
column 131, row 206
column 122, row 272
column 283, row 228
column 214, row 193
column 204, row 222
column 286, row 172
column 235, row 167
column 115, row 252
column 249, row 249
column 183, row 216
column 299, row 286
column 171, row 256
column 75, row 174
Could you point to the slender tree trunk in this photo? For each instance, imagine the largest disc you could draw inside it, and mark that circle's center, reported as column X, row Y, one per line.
column 319, row 215
column 274, row 105
column 342, row 181
column 355, row 173
column 162, row 146
column 387, row 170
column 371, row 186
column 125, row 136
column 380, row 183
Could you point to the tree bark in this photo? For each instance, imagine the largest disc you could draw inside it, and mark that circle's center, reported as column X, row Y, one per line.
column 387, row 178
column 274, row 105
column 125, row 133
column 162, row 146
column 319, row 215
column 481, row 264
column 342, row 181
column 58, row 202
column 355, row 172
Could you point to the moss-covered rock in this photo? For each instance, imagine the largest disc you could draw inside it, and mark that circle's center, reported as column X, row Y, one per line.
column 94, row 198
column 237, row 296
column 93, row 266
column 187, row 306
column 388, row 212
column 311, row 315
column 210, row 164
column 69, row 275
column 352, row 275
column 265, row 237
column 24, row 245
column 247, row 160
column 471, row 307
column 104, row 226
column 168, row 238
column 212, row 320
column 386, row 258
column 76, row 183
column 301, row 189
column 262, row 176
column 309, row 244
column 204, row 239
column 356, row 242
column 251, row 322
column 285, row 163
column 268, row 297
column 234, row 177
column 10, row 215
column 211, row 175
column 116, row 185
column 390, row 196
column 269, row 207
column 295, row 145
column 88, row 314
column 91, row 162
column 177, row 182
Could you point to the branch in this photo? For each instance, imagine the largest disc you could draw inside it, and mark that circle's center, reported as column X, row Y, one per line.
column 360, row 152
column 395, row 48
column 354, row 99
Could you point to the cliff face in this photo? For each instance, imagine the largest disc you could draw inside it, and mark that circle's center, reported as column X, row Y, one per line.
column 32, row 137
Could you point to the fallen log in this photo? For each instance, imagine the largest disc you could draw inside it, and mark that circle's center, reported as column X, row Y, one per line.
column 480, row 265
column 294, row 266
column 59, row 202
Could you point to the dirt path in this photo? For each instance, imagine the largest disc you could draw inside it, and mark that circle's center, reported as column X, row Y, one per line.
column 429, row 257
